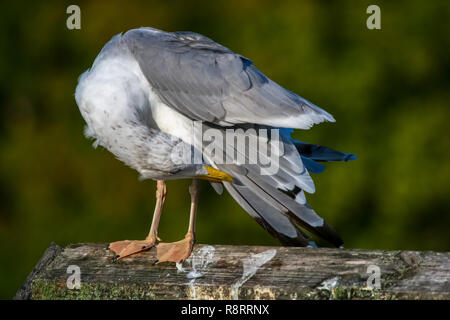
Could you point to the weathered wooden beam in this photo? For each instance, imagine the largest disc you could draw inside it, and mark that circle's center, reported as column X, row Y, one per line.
column 242, row 272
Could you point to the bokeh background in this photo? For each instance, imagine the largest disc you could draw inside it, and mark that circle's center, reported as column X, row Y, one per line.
column 388, row 90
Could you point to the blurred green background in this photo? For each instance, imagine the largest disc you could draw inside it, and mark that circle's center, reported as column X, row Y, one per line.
column 388, row 90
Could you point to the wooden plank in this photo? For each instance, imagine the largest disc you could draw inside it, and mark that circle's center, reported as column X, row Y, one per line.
column 241, row 272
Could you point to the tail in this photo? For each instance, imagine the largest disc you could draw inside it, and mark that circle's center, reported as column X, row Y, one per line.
column 277, row 202
column 278, row 211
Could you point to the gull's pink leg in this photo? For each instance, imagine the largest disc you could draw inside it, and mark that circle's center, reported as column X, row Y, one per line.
column 181, row 250
column 126, row 248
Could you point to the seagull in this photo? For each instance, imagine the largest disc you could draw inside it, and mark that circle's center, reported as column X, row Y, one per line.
column 146, row 91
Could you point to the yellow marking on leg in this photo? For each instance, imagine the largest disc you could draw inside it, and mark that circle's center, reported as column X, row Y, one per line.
column 215, row 175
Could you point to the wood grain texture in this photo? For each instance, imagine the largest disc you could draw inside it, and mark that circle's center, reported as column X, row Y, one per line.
column 241, row 272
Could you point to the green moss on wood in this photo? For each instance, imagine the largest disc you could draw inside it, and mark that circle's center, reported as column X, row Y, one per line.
column 346, row 293
column 43, row 289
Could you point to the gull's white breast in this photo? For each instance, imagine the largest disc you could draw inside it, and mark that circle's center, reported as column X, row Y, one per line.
column 120, row 107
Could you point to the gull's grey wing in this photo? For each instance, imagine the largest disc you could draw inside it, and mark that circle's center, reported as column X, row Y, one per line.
column 206, row 81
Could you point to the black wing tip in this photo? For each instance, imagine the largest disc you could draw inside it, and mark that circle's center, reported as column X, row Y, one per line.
column 328, row 233
column 325, row 231
column 301, row 240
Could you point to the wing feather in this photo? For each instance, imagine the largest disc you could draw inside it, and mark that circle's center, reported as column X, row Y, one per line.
column 206, row 81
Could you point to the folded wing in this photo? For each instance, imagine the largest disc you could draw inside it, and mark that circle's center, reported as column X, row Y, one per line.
column 206, row 81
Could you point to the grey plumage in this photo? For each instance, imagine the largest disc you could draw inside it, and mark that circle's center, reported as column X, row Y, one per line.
column 206, row 81
column 146, row 88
